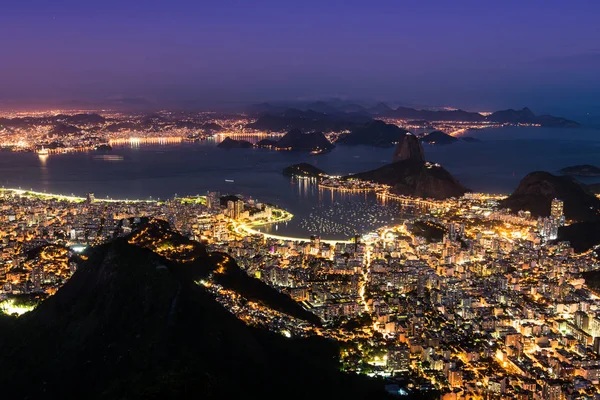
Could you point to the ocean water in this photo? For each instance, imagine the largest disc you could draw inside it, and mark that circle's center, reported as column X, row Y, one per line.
column 495, row 164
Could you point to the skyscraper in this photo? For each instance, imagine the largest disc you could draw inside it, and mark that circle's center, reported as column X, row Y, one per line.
column 556, row 211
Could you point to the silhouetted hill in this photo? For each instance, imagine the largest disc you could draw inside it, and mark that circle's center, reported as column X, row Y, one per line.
column 409, row 148
column 415, row 178
column 330, row 108
column 438, row 137
column 380, row 109
column 229, row 143
column 61, row 129
column 131, row 324
column 308, row 121
column 430, row 115
column 513, row 116
column 296, row 140
column 304, row 169
column 536, row 191
column 374, row 133
column 526, row 116
column 212, row 127
column 581, row 170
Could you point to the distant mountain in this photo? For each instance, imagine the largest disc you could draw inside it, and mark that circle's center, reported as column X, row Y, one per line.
column 296, row 140
column 409, row 148
column 438, row 137
column 229, row 143
column 304, row 169
column 375, row 133
column 81, row 119
column 536, row 191
column 415, row 178
column 131, row 324
column 429, row 115
column 380, row 110
column 581, row 170
column 212, row 127
column 308, row 121
column 61, row 129
column 513, row 116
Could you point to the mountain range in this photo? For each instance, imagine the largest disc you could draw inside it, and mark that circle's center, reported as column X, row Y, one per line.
column 320, row 115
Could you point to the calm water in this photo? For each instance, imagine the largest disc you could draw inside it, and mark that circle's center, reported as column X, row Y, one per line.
column 496, row 164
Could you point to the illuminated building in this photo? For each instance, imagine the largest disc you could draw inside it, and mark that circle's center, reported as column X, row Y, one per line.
column 556, row 211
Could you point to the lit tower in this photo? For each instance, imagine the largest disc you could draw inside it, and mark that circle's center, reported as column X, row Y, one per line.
column 556, row 211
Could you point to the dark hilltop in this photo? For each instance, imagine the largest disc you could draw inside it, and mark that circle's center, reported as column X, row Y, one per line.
column 132, row 324
column 299, row 141
column 375, row 133
column 229, row 143
column 305, row 170
column 536, row 191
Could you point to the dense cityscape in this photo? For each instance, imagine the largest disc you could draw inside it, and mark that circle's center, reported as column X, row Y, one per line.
column 315, row 200
column 463, row 297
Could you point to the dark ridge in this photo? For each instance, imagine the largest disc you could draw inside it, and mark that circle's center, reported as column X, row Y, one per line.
column 81, row 119
column 375, row 133
column 254, row 289
column 61, row 129
column 132, row 324
column 304, row 169
column 581, row 170
column 415, row 178
column 229, row 143
column 212, row 127
column 308, row 121
column 523, row 116
column 438, row 137
column 298, row 141
column 536, row 191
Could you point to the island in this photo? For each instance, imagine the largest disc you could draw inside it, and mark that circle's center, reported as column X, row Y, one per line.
column 229, row 143
column 438, row 137
column 304, row 170
column 375, row 133
column 408, row 175
column 296, row 140
column 581, row 170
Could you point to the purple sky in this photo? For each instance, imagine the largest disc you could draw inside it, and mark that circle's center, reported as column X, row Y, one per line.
column 472, row 54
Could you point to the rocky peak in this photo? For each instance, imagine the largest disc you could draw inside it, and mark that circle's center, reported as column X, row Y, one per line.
column 409, row 148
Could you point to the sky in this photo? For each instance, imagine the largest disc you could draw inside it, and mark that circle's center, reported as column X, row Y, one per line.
column 477, row 55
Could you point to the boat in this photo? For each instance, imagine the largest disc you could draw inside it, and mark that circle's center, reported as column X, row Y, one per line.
column 229, row 180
